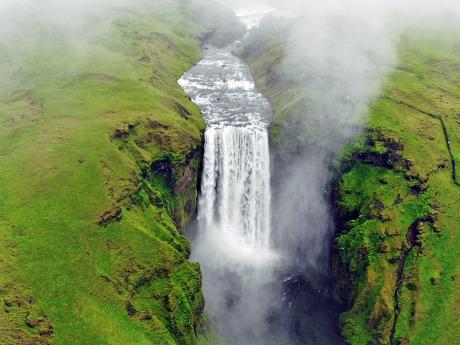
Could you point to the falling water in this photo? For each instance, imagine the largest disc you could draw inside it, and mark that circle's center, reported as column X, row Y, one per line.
column 235, row 195
column 236, row 184
column 254, row 296
column 233, row 240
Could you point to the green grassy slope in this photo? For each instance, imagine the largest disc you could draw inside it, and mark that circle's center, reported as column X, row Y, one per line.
column 395, row 259
column 401, row 248
column 99, row 156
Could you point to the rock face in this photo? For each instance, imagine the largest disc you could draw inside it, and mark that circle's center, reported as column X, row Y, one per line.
column 394, row 192
column 166, row 184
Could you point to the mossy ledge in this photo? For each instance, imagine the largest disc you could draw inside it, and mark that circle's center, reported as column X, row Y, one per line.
column 100, row 154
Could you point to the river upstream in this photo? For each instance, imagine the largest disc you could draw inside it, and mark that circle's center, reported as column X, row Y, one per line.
column 251, row 298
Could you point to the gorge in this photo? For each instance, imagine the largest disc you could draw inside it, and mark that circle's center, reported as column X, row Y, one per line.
column 229, row 172
column 255, row 292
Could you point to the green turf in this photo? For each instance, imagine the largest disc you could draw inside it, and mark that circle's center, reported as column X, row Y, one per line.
column 395, row 257
column 99, row 156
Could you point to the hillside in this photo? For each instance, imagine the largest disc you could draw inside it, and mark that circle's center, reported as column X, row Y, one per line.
column 396, row 187
column 100, row 150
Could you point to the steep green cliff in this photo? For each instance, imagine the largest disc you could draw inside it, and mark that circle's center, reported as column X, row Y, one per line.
column 398, row 205
column 395, row 261
column 100, row 152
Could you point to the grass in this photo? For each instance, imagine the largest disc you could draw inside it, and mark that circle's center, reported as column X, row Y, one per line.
column 395, row 262
column 81, row 127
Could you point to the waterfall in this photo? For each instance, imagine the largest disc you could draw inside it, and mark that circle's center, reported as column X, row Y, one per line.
column 233, row 243
column 254, row 291
column 235, row 195
column 234, row 203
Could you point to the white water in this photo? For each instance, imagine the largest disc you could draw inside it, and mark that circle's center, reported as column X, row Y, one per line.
column 234, row 206
column 240, row 268
column 234, row 220
column 236, row 184
column 249, row 298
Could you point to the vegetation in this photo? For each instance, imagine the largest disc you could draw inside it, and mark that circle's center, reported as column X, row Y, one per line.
column 100, row 150
column 395, row 264
column 400, row 248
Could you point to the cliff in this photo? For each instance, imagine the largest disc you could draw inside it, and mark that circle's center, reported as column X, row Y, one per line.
column 396, row 191
column 100, row 154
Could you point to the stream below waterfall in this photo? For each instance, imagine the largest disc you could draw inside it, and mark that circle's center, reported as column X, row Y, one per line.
column 252, row 298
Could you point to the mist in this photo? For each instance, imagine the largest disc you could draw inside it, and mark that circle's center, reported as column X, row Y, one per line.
column 53, row 28
column 338, row 56
column 339, row 53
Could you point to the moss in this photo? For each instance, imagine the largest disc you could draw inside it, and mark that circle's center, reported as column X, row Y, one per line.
column 396, row 196
column 424, row 171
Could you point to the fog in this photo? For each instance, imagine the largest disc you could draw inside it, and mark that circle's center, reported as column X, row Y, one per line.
column 69, row 28
column 340, row 52
column 337, row 55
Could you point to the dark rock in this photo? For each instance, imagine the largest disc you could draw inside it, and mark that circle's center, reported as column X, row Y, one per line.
column 110, row 216
column 398, row 200
column 435, row 281
column 152, row 124
column 146, row 315
column 412, row 286
column 111, row 245
column 437, row 229
column 130, row 308
column 363, row 251
column 393, row 260
column 124, row 132
column 402, row 341
column 384, row 180
column 390, row 158
column 40, row 323
column 375, row 210
column 183, row 112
